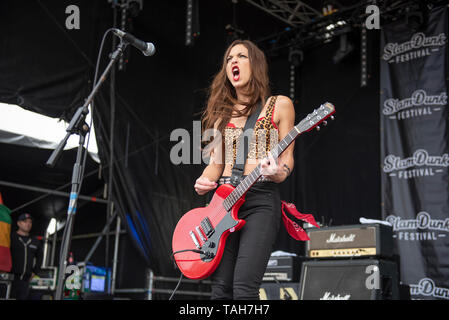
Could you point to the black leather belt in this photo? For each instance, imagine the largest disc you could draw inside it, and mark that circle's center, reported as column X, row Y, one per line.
column 227, row 180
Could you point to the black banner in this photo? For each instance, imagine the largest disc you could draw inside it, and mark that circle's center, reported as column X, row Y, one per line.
column 415, row 151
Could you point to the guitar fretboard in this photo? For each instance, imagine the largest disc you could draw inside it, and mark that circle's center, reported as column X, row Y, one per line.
column 246, row 183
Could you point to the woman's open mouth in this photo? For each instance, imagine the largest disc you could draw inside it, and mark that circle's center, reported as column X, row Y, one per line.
column 235, row 73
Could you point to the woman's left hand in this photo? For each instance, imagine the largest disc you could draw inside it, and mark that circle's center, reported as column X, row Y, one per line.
column 271, row 169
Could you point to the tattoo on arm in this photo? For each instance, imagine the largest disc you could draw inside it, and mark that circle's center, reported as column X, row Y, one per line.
column 287, row 169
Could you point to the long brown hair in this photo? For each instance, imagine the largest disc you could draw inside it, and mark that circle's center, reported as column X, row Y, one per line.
column 222, row 95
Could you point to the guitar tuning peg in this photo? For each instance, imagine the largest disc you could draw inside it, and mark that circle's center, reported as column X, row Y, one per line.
column 318, row 128
column 325, row 123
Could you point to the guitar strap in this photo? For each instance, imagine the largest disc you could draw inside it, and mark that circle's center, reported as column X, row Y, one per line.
column 243, row 148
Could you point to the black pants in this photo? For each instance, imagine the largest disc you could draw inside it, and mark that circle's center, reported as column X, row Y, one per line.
column 20, row 288
column 248, row 250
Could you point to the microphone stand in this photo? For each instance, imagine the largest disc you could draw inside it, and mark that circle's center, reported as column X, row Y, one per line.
column 77, row 126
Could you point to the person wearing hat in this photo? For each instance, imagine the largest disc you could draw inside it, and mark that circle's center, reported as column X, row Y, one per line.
column 26, row 255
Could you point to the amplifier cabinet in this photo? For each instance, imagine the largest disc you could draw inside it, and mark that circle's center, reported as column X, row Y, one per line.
column 282, row 268
column 355, row 279
column 361, row 240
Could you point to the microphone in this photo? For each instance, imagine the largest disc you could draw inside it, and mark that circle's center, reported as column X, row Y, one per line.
column 147, row 48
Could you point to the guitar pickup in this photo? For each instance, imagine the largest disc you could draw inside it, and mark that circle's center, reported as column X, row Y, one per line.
column 200, row 234
column 195, row 240
column 207, row 227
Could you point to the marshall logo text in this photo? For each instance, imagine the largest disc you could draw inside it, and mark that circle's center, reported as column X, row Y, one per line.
column 328, row 296
column 343, row 238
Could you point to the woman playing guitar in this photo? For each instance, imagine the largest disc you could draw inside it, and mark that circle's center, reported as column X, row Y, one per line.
column 235, row 93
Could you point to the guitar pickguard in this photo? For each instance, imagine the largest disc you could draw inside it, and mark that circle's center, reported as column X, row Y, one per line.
column 210, row 247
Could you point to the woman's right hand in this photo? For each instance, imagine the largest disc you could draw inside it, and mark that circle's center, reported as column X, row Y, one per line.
column 203, row 185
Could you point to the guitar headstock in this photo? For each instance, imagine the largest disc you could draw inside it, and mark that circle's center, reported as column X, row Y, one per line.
column 317, row 117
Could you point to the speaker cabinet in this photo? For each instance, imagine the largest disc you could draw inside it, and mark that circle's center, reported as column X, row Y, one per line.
column 366, row 279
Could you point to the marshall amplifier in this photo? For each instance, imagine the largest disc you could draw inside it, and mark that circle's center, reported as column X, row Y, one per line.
column 350, row 241
column 359, row 279
column 282, row 268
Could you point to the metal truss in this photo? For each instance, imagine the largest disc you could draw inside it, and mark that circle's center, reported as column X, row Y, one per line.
column 293, row 12
column 317, row 29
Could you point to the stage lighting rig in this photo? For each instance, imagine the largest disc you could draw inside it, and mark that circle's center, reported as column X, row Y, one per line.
column 295, row 57
column 363, row 58
column 335, row 25
column 337, row 21
column 192, row 22
column 292, row 12
column 330, row 7
column 232, row 30
column 416, row 16
column 134, row 7
column 234, row 33
column 346, row 47
column 126, row 10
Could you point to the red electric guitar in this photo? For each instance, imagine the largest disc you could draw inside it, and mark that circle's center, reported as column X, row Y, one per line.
column 200, row 235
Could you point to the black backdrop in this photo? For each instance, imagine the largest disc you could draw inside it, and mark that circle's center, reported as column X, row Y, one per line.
column 47, row 68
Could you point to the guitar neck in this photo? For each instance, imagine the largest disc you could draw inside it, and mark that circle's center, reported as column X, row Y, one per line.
column 246, row 183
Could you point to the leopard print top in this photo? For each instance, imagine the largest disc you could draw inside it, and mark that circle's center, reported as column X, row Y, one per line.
column 265, row 137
